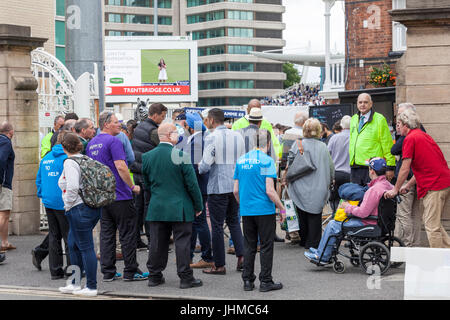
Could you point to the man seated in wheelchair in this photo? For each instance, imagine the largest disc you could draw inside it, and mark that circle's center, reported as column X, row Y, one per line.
column 359, row 214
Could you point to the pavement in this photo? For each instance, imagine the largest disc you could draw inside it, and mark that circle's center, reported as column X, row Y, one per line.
column 302, row 280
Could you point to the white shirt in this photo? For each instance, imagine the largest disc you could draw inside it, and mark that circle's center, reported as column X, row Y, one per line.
column 70, row 184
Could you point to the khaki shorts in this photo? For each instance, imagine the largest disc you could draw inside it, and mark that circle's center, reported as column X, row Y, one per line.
column 5, row 199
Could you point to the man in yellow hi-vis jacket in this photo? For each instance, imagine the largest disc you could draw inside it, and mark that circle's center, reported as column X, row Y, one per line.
column 369, row 137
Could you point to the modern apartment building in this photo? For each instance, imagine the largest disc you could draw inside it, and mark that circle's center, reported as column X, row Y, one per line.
column 226, row 31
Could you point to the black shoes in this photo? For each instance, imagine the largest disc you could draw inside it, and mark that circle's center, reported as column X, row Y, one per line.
column 278, row 239
column 192, row 283
column 2, row 257
column 248, row 285
column 142, row 246
column 269, row 286
column 153, row 282
column 35, row 260
column 58, row 276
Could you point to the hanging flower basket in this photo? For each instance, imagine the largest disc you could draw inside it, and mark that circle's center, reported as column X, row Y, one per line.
column 382, row 77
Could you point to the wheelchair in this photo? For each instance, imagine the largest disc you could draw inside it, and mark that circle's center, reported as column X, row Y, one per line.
column 369, row 246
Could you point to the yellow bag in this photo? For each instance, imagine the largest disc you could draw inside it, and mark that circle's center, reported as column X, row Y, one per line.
column 340, row 214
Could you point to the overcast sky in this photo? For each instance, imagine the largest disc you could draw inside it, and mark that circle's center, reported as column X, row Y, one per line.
column 305, row 22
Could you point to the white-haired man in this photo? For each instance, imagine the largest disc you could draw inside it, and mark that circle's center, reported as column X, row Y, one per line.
column 431, row 175
column 338, row 147
column 299, row 120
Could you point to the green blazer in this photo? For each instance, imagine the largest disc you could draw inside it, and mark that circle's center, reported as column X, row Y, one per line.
column 170, row 177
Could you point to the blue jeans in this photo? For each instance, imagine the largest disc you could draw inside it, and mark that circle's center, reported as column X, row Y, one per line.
column 82, row 220
column 200, row 227
column 333, row 227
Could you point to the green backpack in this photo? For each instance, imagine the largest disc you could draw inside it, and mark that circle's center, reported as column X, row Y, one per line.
column 99, row 183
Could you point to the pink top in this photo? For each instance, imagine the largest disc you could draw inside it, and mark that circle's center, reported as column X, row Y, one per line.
column 369, row 205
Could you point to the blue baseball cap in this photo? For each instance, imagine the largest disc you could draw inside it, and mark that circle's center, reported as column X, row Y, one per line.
column 377, row 164
column 192, row 118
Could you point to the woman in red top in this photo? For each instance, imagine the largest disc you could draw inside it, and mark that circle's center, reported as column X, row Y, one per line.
column 431, row 173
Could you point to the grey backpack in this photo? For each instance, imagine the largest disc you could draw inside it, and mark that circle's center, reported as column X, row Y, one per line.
column 99, row 183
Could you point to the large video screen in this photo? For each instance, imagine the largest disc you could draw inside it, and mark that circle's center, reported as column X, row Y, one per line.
column 159, row 70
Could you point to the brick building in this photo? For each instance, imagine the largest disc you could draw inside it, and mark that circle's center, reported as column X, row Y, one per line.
column 372, row 38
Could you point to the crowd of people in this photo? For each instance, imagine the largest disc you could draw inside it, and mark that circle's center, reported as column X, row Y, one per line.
column 169, row 176
column 297, row 95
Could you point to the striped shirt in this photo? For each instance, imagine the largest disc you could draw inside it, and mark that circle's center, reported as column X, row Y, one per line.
column 223, row 148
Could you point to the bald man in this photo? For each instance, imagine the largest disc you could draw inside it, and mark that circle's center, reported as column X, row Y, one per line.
column 369, row 137
column 176, row 200
column 244, row 123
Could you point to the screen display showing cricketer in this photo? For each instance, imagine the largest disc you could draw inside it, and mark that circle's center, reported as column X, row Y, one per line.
column 136, row 67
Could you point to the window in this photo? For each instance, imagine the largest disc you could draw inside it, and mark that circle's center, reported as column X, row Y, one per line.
column 240, row 32
column 114, row 33
column 213, row 67
column 211, row 102
column 60, row 8
column 133, row 18
column 240, row 15
column 210, row 33
column 241, row 84
column 238, row 101
column 60, row 32
column 209, row 51
column 114, row 17
column 114, row 2
column 210, row 85
column 244, row 67
column 203, row 17
column 163, row 4
column 60, row 53
column 239, row 49
column 135, row 3
column 164, row 20
column 398, row 29
column 137, row 33
column 196, row 3
column 162, row 34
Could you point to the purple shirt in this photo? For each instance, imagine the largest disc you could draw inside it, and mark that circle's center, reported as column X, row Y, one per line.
column 106, row 149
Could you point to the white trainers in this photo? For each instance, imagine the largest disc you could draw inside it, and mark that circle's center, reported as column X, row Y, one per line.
column 85, row 292
column 69, row 288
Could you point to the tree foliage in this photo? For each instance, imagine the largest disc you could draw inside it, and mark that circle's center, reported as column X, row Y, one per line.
column 292, row 75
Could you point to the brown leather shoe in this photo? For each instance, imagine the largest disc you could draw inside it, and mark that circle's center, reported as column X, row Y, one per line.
column 231, row 250
column 202, row 264
column 119, row 256
column 214, row 270
column 8, row 247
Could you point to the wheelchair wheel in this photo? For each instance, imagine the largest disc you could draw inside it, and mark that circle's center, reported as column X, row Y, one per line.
column 393, row 242
column 339, row 267
column 374, row 257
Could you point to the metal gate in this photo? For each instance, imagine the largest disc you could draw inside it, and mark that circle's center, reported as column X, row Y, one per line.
column 56, row 90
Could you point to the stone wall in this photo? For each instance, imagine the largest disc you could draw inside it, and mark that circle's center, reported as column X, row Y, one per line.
column 18, row 106
column 425, row 68
column 371, row 44
column 40, row 17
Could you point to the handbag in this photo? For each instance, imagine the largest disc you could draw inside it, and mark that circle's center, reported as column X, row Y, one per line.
column 301, row 166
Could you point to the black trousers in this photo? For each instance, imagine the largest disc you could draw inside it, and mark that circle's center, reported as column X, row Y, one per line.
column 310, row 228
column 141, row 201
column 340, row 178
column 264, row 228
column 159, row 248
column 122, row 216
column 360, row 175
column 41, row 250
column 58, row 230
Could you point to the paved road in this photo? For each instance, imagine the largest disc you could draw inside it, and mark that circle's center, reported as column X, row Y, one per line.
column 301, row 279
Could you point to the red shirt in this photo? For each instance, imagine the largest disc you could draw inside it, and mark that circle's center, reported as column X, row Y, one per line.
column 428, row 163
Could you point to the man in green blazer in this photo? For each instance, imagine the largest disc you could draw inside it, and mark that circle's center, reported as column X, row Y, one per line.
column 175, row 200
